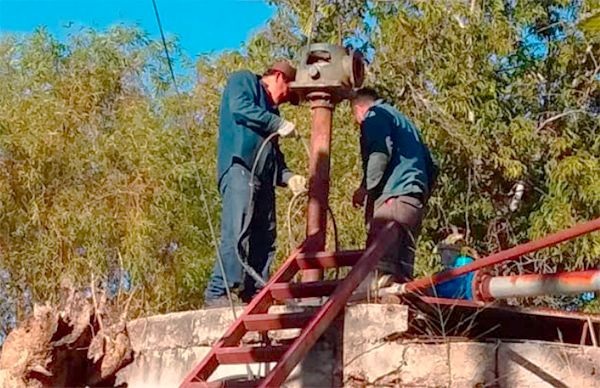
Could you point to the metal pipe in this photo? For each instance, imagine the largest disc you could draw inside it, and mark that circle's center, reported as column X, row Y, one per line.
column 500, row 287
column 318, row 183
column 499, row 257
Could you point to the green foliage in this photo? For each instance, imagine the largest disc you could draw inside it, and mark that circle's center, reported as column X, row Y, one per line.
column 591, row 24
column 96, row 169
column 490, row 126
column 330, row 21
column 98, row 172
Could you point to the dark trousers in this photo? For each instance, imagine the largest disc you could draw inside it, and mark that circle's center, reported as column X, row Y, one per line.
column 253, row 225
column 407, row 211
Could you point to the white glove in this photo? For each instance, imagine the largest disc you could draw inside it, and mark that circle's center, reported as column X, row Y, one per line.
column 297, row 184
column 286, row 128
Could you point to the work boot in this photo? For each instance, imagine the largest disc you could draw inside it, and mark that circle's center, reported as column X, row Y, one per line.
column 373, row 283
column 382, row 280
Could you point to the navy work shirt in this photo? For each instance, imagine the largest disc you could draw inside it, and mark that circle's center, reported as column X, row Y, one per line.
column 395, row 160
column 246, row 119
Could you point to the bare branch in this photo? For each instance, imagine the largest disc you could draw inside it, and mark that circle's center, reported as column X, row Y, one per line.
column 558, row 116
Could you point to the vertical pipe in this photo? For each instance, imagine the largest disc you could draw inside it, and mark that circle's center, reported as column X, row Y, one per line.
column 318, row 189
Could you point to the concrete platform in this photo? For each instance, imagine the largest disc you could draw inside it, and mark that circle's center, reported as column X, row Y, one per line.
column 367, row 349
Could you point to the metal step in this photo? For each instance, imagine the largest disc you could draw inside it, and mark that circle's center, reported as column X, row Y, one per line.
column 324, row 260
column 285, row 291
column 250, row 354
column 264, row 322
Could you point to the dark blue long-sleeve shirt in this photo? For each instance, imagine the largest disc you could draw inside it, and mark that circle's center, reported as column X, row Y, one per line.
column 395, row 159
column 246, row 119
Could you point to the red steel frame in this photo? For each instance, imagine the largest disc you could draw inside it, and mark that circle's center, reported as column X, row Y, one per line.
column 236, row 331
column 499, row 257
column 256, row 318
column 334, row 305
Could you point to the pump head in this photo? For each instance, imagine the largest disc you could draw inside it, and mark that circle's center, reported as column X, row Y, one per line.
column 328, row 68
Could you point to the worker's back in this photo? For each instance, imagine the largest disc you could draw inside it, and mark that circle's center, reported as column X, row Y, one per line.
column 411, row 169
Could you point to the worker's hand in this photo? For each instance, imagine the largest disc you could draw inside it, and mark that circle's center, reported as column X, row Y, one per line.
column 358, row 198
column 286, row 128
column 297, row 184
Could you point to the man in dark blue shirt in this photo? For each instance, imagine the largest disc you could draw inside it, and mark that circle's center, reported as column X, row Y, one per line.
column 398, row 176
column 249, row 118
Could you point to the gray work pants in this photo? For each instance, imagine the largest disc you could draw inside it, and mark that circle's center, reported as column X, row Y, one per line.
column 399, row 258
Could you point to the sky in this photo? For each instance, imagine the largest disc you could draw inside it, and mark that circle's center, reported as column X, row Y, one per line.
column 202, row 26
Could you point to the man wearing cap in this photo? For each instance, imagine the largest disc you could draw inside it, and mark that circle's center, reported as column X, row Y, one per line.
column 248, row 117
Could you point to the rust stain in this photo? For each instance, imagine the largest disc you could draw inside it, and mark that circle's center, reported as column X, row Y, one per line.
column 581, row 277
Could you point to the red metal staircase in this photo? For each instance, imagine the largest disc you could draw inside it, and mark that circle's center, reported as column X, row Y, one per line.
column 256, row 317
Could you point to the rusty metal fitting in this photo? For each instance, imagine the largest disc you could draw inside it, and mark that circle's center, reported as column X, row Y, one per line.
column 481, row 286
column 328, row 68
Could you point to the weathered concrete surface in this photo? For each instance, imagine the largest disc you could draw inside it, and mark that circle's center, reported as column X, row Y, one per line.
column 167, row 347
column 372, row 354
column 548, row 365
column 470, row 364
column 422, row 365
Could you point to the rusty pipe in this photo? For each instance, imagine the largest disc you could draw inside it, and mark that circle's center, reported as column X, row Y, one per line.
column 318, row 183
column 499, row 287
column 499, row 257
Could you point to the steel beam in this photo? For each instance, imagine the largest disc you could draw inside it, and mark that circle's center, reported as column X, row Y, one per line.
column 264, row 322
column 250, row 354
column 322, row 260
column 237, row 330
column 285, row 291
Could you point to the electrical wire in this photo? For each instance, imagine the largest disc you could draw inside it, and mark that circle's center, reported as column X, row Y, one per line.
column 291, row 205
column 246, row 226
column 245, row 265
column 164, row 42
column 295, row 197
column 258, row 278
column 200, row 182
column 194, row 163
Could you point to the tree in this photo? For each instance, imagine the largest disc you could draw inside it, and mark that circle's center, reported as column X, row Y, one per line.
column 489, row 84
column 97, row 179
column 495, row 114
column 105, row 168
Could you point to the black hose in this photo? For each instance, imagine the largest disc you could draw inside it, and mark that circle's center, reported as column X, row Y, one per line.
column 246, row 226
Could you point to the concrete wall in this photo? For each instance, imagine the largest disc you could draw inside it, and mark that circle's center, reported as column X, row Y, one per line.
column 368, row 351
column 469, row 364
